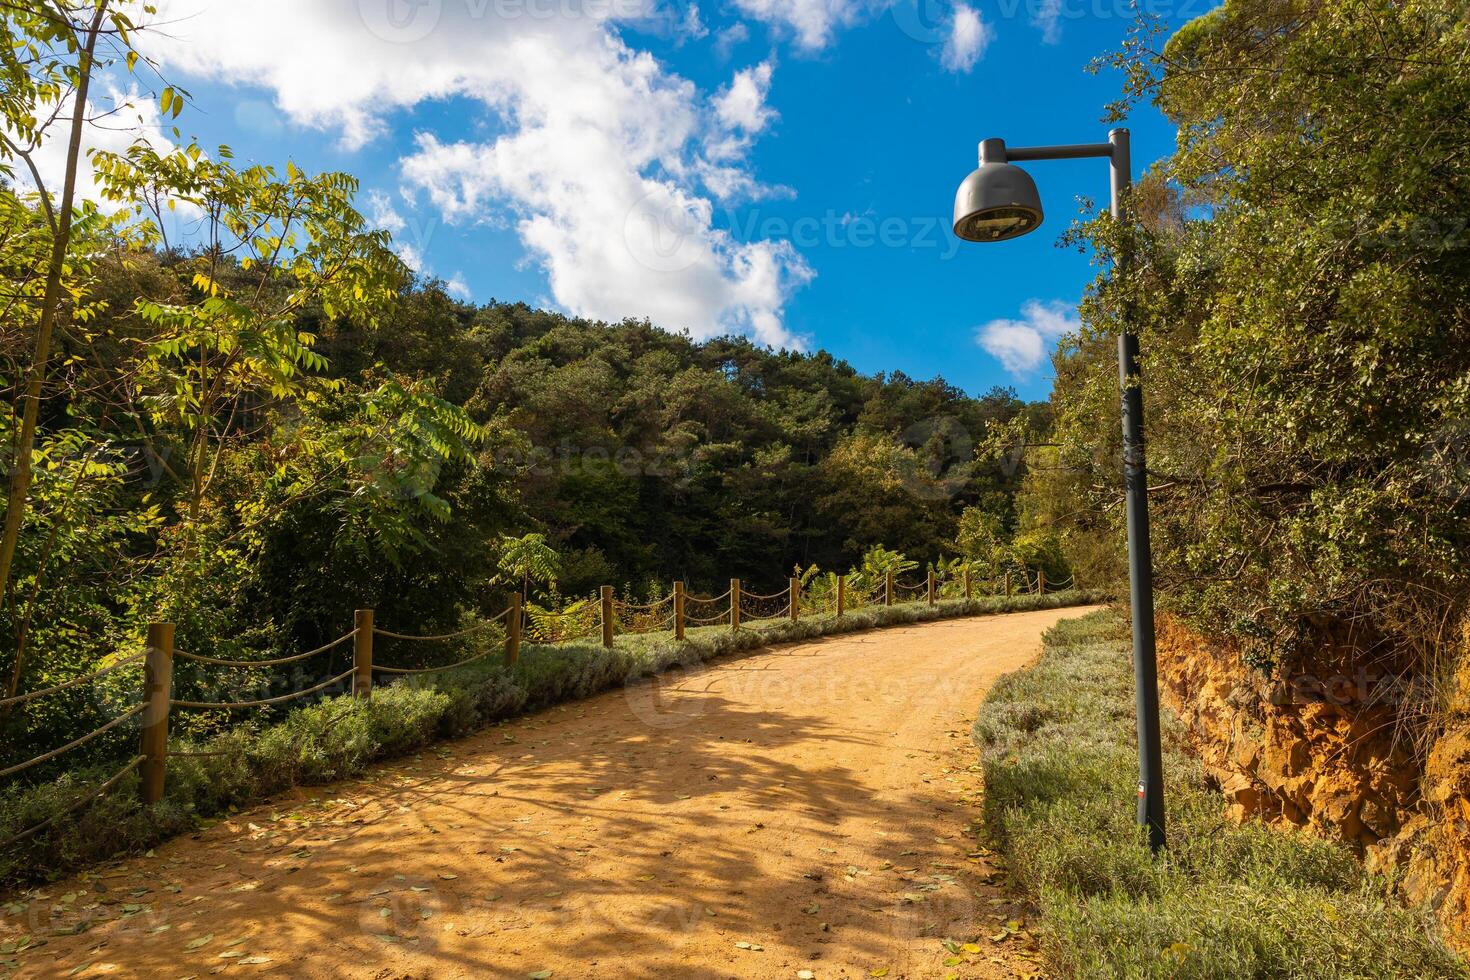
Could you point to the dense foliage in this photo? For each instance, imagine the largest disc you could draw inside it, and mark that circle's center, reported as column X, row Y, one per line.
column 254, row 431
column 1300, row 278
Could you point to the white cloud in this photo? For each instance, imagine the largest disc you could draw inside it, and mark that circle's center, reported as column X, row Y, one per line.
column 589, row 133
column 731, row 38
column 692, row 27
column 969, row 36
column 742, row 105
column 412, row 257
column 1023, row 345
column 811, row 22
column 382, row 214
column 1048, row 18
column 458, row 288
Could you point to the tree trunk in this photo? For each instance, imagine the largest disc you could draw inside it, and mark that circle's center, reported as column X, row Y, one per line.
column 20, row 474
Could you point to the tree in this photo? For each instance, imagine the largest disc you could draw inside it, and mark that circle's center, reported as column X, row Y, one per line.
column 1301, row 285
column 529, row 559
column 49, row 52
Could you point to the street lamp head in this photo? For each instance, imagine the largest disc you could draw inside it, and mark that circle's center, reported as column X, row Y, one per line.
column 996, row 202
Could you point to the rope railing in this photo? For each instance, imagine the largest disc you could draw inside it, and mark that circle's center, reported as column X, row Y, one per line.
column 74, row 682
column 650, row 607
column 414, row 671
column 783, row 614
column 75, row 743
column 277, row 662
column 262, row 702
column 93, row 795
column 723, row 617
column 736, row 609
column 468, row 631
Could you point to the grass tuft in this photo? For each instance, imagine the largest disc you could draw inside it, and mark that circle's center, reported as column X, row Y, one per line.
column 1226, row 900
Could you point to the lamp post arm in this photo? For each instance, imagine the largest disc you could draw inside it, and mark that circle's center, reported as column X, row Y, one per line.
column 1072, row 151
column 995, row 151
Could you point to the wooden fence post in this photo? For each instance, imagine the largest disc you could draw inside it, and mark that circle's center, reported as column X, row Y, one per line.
column 158, row 675
column 679, row 611
column 607, row 616
column 841, row 595
column 932, row 597
column 969, row 587
column 362, row 654
column 734, row 604
column 888, row 588
column 1041, row 581
column 795, row 599
column 513, row 630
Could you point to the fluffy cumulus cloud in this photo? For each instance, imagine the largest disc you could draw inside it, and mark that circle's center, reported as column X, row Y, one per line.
column 600, row 157
column 968, row 38
column 811, row 23
column 1023, row 345
column 458, row 288
column 742, row 106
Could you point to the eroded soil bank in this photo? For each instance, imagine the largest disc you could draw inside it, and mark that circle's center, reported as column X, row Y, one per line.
column 1325, row 748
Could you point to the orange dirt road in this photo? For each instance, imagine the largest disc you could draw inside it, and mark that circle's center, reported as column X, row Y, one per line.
column 799, row 812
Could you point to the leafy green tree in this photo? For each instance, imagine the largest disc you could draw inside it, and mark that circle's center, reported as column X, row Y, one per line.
column 529, row 559
column 981, row 539
column 50, row 51
column 1301, row 285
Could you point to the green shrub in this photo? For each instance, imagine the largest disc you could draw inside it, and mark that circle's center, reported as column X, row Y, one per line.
column 1225, row 900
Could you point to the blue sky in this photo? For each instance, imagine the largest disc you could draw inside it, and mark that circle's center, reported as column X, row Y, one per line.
column 780, row 168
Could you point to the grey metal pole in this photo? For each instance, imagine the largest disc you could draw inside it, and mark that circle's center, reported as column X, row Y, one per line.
column 1140, row 551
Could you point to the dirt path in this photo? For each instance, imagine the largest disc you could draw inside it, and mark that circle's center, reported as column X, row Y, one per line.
column 801, row 809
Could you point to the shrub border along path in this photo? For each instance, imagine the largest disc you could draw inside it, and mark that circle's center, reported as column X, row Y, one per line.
column 340, row 737
column 1226, row 900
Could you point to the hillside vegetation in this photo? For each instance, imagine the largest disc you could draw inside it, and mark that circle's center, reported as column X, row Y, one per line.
column 1303, row 293
column 254, row 432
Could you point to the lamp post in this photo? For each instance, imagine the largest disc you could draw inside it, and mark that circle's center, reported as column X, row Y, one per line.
column 997, row 202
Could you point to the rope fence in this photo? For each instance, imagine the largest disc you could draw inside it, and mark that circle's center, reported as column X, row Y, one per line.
column 88, row 798
column 74, row 682
column 470, row 631
column 735, row 609
column 128, row 715
column 262, row 702
column 278, row 662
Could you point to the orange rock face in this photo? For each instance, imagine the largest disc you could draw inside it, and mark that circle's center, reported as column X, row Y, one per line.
column 1321, row 748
